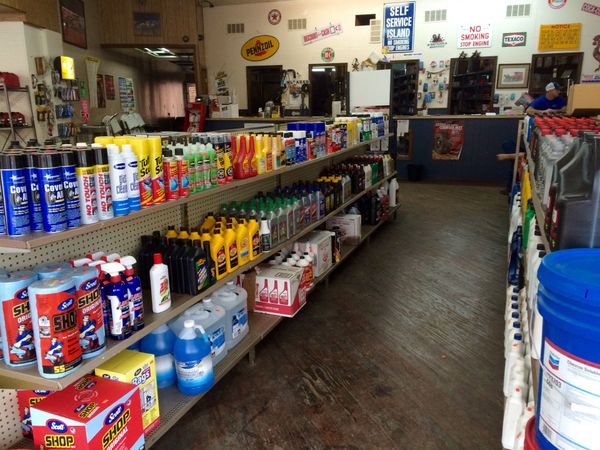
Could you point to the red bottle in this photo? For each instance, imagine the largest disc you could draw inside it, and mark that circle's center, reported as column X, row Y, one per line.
column 284, row 298
column 239, row 161
column 274, row 294
column 253, row 171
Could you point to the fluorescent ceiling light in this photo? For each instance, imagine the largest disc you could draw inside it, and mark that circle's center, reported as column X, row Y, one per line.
column 158, row 52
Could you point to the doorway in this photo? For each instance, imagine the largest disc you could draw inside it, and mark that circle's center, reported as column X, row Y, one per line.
column 328, row 83
column 263, row 84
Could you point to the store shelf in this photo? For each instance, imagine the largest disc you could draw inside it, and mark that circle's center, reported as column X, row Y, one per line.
column 24, row 244
column 174, row 405
column 540, row 214
column 16, row 127
column 18, row 89
column 29, row 378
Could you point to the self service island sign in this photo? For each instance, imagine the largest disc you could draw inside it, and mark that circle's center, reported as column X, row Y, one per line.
column 399, row 27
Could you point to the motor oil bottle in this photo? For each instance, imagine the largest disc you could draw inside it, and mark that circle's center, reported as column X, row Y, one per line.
column 289, row 218
column 218, row 254
column 282, row 229
column 265, row 235
column 210, row 263
column 159, row 285
column 254, row 239
column 259, row 157
column 231, row 248
column 52, row 191
column 268, row 151
column 193, row 361
column 171, row 233
column 118, row 181
column 181, row 281
column 242, row 241
column 54, row 316
column 16, row 327
column 171, row 175
column 134, row 290
column 194, row 236
column 103, row 191
column 184, row 233
column 239, row 165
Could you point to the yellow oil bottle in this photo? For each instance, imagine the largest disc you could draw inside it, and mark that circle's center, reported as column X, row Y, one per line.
column 243, row 242
column 206, row 236
column 231, row 253
column 195, row 236
column 184, row 233
column 171, row 233
column 254, row 238
column 217, row 252
column 259, row 155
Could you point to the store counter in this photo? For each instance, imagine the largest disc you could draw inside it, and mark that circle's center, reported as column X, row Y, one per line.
column 233, row 123
column 484, row 138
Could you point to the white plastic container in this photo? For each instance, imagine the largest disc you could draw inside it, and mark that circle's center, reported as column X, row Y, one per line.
column 236, row 316
column 159, row 285
column 512, row 413
column 393, row 192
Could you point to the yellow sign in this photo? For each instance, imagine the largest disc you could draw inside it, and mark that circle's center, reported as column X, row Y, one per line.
column 260, row 48
column 67, row 68
column 560, row 36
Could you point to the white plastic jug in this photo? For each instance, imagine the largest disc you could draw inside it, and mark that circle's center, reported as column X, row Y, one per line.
column 236, row 316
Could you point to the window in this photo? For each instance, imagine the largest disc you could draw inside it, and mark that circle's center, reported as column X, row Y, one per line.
column 361, row 20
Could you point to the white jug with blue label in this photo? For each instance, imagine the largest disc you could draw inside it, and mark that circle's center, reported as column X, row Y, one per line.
column 236, row 315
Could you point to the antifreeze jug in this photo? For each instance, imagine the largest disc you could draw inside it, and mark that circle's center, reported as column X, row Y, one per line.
column 193, row 361
column 160, row 343
column 236, row 315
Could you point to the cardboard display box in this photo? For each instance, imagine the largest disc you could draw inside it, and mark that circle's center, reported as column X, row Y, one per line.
column 584, row 99
column 280, row 291
column 350, row 225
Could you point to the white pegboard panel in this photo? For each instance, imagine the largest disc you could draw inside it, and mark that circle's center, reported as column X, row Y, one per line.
column 10, row 425
column 123, row 239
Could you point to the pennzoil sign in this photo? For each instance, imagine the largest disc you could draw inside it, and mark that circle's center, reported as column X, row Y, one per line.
column 260, row 48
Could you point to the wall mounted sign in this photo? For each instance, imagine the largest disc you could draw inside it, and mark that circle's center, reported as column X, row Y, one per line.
column 513, row 76
column 556, row 4
column 561, row 36
column 517, row 39
column 72, row 19
column 596, row 51
column 317, row 35
column 474, row 36
column 274, row 17
column 592, row 9
column 146, row 24
column 327, row 54
column 109, row 86
column 448, row 139
column 126, row 94
column 437, row 41
column 259, row 48
column 398, row 27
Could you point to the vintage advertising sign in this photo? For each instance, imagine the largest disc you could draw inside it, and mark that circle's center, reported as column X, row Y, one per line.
column 327, row 54
column 399, row 27
column 260, row 48
column 475, row 36
column 517, row 39
column 592, row 9
column 556, row 4
column 448, row 139
column 560, row 36
column 325, row 32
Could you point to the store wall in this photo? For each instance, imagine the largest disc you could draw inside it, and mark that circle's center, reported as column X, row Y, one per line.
column 40, row 13
column 223, row 50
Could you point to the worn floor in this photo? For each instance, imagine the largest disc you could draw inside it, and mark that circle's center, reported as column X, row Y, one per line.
column 403, row 350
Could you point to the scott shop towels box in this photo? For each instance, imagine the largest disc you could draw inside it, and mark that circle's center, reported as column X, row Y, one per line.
column 280, row 291
column 136, row 368
column 92, row 413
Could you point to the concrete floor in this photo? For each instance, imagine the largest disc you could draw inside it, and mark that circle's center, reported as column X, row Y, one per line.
column 402, row 350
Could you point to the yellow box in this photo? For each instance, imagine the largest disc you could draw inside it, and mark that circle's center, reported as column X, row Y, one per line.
column 136, row 368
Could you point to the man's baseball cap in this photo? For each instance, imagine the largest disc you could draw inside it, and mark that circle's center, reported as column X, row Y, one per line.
column 552, row 85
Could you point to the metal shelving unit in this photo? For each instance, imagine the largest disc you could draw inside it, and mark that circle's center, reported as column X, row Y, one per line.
column 14, row 128
column 174, row 405
column 29, row 378
column 23, row 244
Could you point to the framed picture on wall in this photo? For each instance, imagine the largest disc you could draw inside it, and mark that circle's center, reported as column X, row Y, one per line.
column 513, row 76
column 100, row 91
column 109, row 86
column 72, row 19
column 146, row 24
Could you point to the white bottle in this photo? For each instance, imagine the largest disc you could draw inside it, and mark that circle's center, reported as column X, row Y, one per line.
column 515, row 354
column 512, row 413
column 236, row 309
column 516, row 376
column 133, row 187
column 159, row 285
column 520, row 436
column 118, row 180
column 265, row 235
column 307, row 267
column 393, row 192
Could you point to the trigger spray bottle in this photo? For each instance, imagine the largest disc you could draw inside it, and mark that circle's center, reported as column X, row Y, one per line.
column 117, row 298
column 134, row 290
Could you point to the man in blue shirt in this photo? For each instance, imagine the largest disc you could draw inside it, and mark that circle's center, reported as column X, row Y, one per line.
column 552, row 102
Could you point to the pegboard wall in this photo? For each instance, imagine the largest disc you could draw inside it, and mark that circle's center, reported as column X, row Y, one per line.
column 10, row 424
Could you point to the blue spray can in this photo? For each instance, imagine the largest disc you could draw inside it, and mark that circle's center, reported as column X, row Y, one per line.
column 70, row 188
column 15, row 193
column 134, row 287
column 52, row 191
column 117, row 298
column 35, row 206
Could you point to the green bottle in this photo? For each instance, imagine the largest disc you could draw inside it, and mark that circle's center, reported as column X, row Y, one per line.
column 529, row 214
